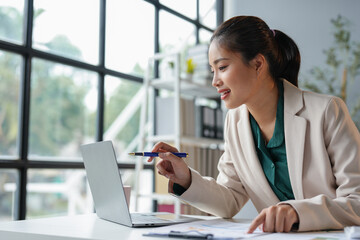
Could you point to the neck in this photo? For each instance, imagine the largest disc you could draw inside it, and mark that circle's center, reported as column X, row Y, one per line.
column 263, row 105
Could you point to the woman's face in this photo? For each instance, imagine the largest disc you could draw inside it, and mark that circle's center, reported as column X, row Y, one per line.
column 234, row 80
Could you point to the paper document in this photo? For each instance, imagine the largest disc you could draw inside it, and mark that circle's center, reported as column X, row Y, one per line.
column 207, row 229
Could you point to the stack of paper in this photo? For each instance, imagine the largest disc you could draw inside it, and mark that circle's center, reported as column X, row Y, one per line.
column 206, row 229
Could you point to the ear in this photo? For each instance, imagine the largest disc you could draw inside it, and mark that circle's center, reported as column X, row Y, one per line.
column 259, row 62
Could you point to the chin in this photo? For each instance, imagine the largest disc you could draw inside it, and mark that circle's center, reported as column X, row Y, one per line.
column 233, row 104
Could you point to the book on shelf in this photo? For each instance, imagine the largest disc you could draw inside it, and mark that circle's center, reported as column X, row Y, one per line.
column 209, row 122
column 219, row 123
column 196, row 120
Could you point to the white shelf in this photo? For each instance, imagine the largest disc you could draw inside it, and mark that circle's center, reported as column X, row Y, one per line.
column 186, row 87
column 181, row 88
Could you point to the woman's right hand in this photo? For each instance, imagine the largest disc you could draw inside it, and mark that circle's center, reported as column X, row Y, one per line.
column 171, row 166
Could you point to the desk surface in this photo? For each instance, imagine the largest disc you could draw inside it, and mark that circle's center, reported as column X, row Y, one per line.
column 70, row 227
column 91, row 227
column 87, row 226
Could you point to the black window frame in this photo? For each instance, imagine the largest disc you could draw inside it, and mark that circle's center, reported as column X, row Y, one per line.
column 23, row 164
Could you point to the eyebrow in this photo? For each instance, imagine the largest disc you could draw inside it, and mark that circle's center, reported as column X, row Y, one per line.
column 219, row 59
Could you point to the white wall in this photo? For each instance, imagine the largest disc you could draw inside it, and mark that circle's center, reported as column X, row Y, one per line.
column 306, row 21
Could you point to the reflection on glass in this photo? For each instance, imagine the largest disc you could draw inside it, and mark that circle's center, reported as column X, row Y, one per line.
column 68, row 28
column 204, row 36
column 185, row 7
column 63, row 110
column 129, row 35
column 10, row 73
column 8, row 194
column 123, row 101
column 207, row 11
column 52, row 192
column 12, row 15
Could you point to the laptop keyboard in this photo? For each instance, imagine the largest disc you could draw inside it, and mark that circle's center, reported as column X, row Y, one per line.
column 140, row 218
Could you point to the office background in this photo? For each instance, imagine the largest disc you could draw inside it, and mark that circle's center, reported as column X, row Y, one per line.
column 70, row 70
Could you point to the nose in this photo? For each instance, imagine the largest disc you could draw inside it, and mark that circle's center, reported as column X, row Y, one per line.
column 216, row 82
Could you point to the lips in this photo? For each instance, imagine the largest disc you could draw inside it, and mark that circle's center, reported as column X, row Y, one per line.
column 224, row 93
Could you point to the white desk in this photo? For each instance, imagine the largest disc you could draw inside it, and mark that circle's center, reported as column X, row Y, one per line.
column 87, row 226
column 91, row 227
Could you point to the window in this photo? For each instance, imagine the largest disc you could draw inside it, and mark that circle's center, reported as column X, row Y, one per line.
column 60, row 30
column 71, row 73
column 63, row 110
column 129, row 35
column 10, row 73
column 123, row 100
column 8, row 193
column 12, row 18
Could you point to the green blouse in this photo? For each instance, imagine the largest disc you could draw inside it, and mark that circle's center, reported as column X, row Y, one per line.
column 273, row 155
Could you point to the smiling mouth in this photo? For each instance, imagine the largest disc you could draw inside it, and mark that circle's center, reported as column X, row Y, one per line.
column 225, row 94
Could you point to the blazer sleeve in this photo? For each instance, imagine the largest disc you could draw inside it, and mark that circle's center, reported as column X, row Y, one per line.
column 223, row 197
column 342, row 141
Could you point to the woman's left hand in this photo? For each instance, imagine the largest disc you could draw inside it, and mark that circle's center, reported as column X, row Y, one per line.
column 279, row 218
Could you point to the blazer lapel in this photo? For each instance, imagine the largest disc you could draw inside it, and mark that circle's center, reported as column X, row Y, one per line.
column 255, row 171
column 295, row 131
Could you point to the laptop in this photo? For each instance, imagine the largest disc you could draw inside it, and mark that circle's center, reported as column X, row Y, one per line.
column 108, row 193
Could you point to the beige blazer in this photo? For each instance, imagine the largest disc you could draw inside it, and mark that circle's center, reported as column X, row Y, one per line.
column 323, row 154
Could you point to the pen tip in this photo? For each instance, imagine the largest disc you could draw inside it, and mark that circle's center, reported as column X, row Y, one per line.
column 132, row 154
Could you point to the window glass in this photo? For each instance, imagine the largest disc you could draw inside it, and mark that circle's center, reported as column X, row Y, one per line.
column 207, row 10
column 63, row 110
column 8, row 194
column 10, row 73
column 129, row 35
column 123, row 100
column 185, row 7
column 176, row 35
column 12, row 18
column 67, row 28
column 204, row 36
column 52, row 192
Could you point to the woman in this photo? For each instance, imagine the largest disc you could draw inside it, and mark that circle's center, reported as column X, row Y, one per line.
column 295, row 154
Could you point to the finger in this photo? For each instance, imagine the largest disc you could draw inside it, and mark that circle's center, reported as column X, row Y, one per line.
column 288, row 225
column 257, row 222
column 161, row 147
column 269, row 224
column 280, row 220
column 170, row 157
column 290, row 220
column 163, row 169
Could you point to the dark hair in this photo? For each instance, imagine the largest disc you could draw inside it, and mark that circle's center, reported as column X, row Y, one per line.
column 250, row 36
